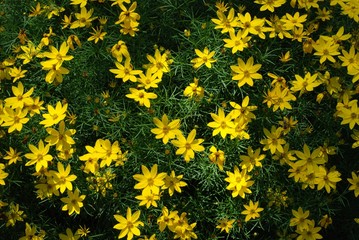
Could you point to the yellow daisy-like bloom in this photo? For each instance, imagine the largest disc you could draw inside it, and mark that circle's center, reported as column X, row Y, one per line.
column 237, row 42
column 222, row 124
column 141, row 96
column 173, row 183
column 54, row 115
column 253, row 159
column 326, row 50
column 245, row 72
column 309, row 233
column 204, row 57
column 129, row 225
column 82, row 3
column 226, row 23
column 61, row 138
column 306, row 84
column 20, row 98
column 217, row 157
column 58, row 56
column 69, row 235
column 300, row 219
column 273, row 140
column 252, row 211
column 166, row 130
column 14, row 119
column 39, row 156
column 150, row 179
column 327, row 179
column 148, row 198
column 187, row 147
column 62, row 179
column 126, row 71
column 12, row 156
column 73, row 202
column 354, row 181
column 225, row 224
column 84, row 18
column 239, row 182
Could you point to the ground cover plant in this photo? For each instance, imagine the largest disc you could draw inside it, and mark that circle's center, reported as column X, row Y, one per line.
column 173, row 119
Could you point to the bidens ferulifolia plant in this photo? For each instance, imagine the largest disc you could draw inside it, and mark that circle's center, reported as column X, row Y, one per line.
column 170, row 119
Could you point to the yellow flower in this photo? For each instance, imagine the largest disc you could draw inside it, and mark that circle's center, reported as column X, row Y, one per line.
column 54, row 115
column 326, row 50
column 309, row 233
column 244, row 73
column 20, row 98
column 350, row 116
column 69, row 235
column 252, row 160
column 3, row 174
column 148, row 198
column 306, row 84
column 204, row 57
column 300, row 219
column 30, row 233
column 158, row 64
column 73, row 202
column 82, row 3
column 14, row 215
column 294, row 21
column 61, row 138
column 243, row 112
column 173, row 183
column 126, row 71
column 119, row 50
column 325, row 221
column 166, row 219
column 71, row 39
column 17, row 73
column 269, row 4
column 194, row 91
column 97, row 35
column 36, row 11
column 57, row 56
column 62, row 179
column 248, row 25
column 252, row 211
column 225, row 224
column 119, row 2
column 327, row 179
column 141, row 96
column 129, row 225
column 14, row 119
column 187, row 147
column 239, row 182
column 83, row 231
column 309, row 160
column 237, row 42
column 39, row 156
column 226, row 23
column 149, row 80
column 106, row 151
column 354, row 181
column 12, row 156
column 84, row 18
column 355, row 137
column 128, row 14
column 149, row 179
column 222, row 124
column 166, row 130
column 273, row 140
column 217, row 157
